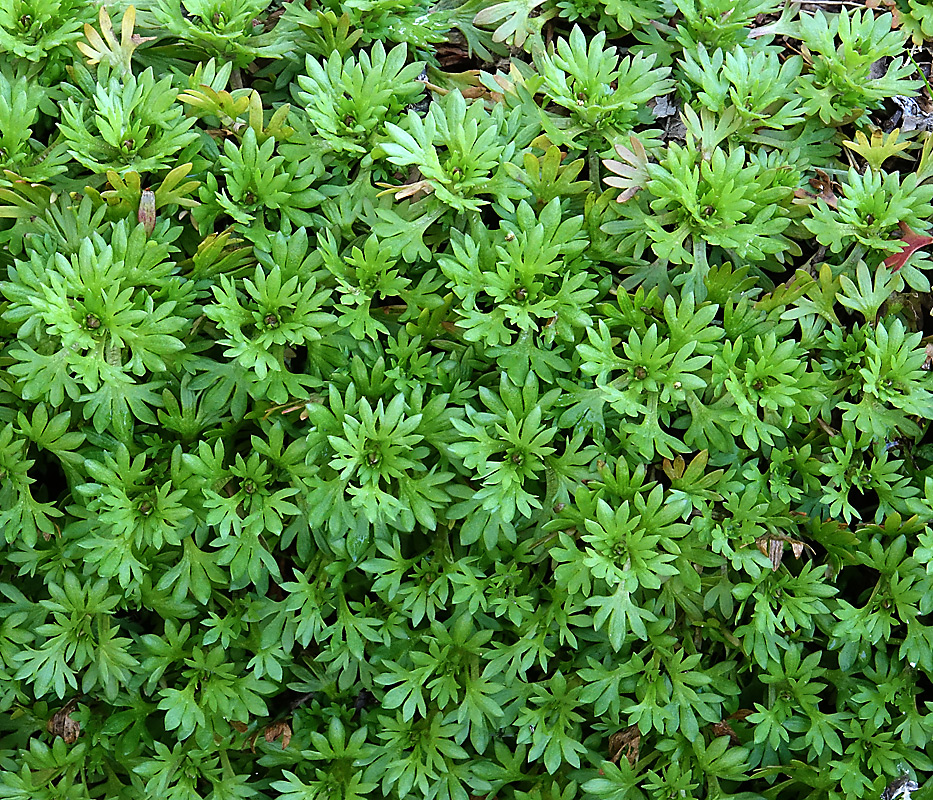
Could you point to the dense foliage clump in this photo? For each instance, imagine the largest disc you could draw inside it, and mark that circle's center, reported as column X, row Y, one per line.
column 524, row 399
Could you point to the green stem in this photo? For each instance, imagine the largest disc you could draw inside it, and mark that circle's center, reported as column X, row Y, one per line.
column 226, row 767
column 592, row 158
column 920, row 73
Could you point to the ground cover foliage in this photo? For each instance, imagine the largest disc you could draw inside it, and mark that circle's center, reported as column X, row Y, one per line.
column 522, row 399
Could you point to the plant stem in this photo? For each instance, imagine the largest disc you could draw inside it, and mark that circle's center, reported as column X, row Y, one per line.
column 592, row 158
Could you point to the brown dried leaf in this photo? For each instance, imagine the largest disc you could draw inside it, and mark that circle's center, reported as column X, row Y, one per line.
column 147, row 211
column 61, row 723
column 474, row 92
column 928, row 364
column 772, row 545
column 508, row 87
column 277, row 729
column 242, row 727
column 406, row 189
column 286, row 408
column 626, row 742
column 829, row 431
column 414, row 189
column 823, row 185
column 773, row 548
column 454, row 51
column 776, row 553
column 723, row 728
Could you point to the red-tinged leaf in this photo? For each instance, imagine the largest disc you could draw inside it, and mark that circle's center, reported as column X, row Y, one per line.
column 912, row 241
